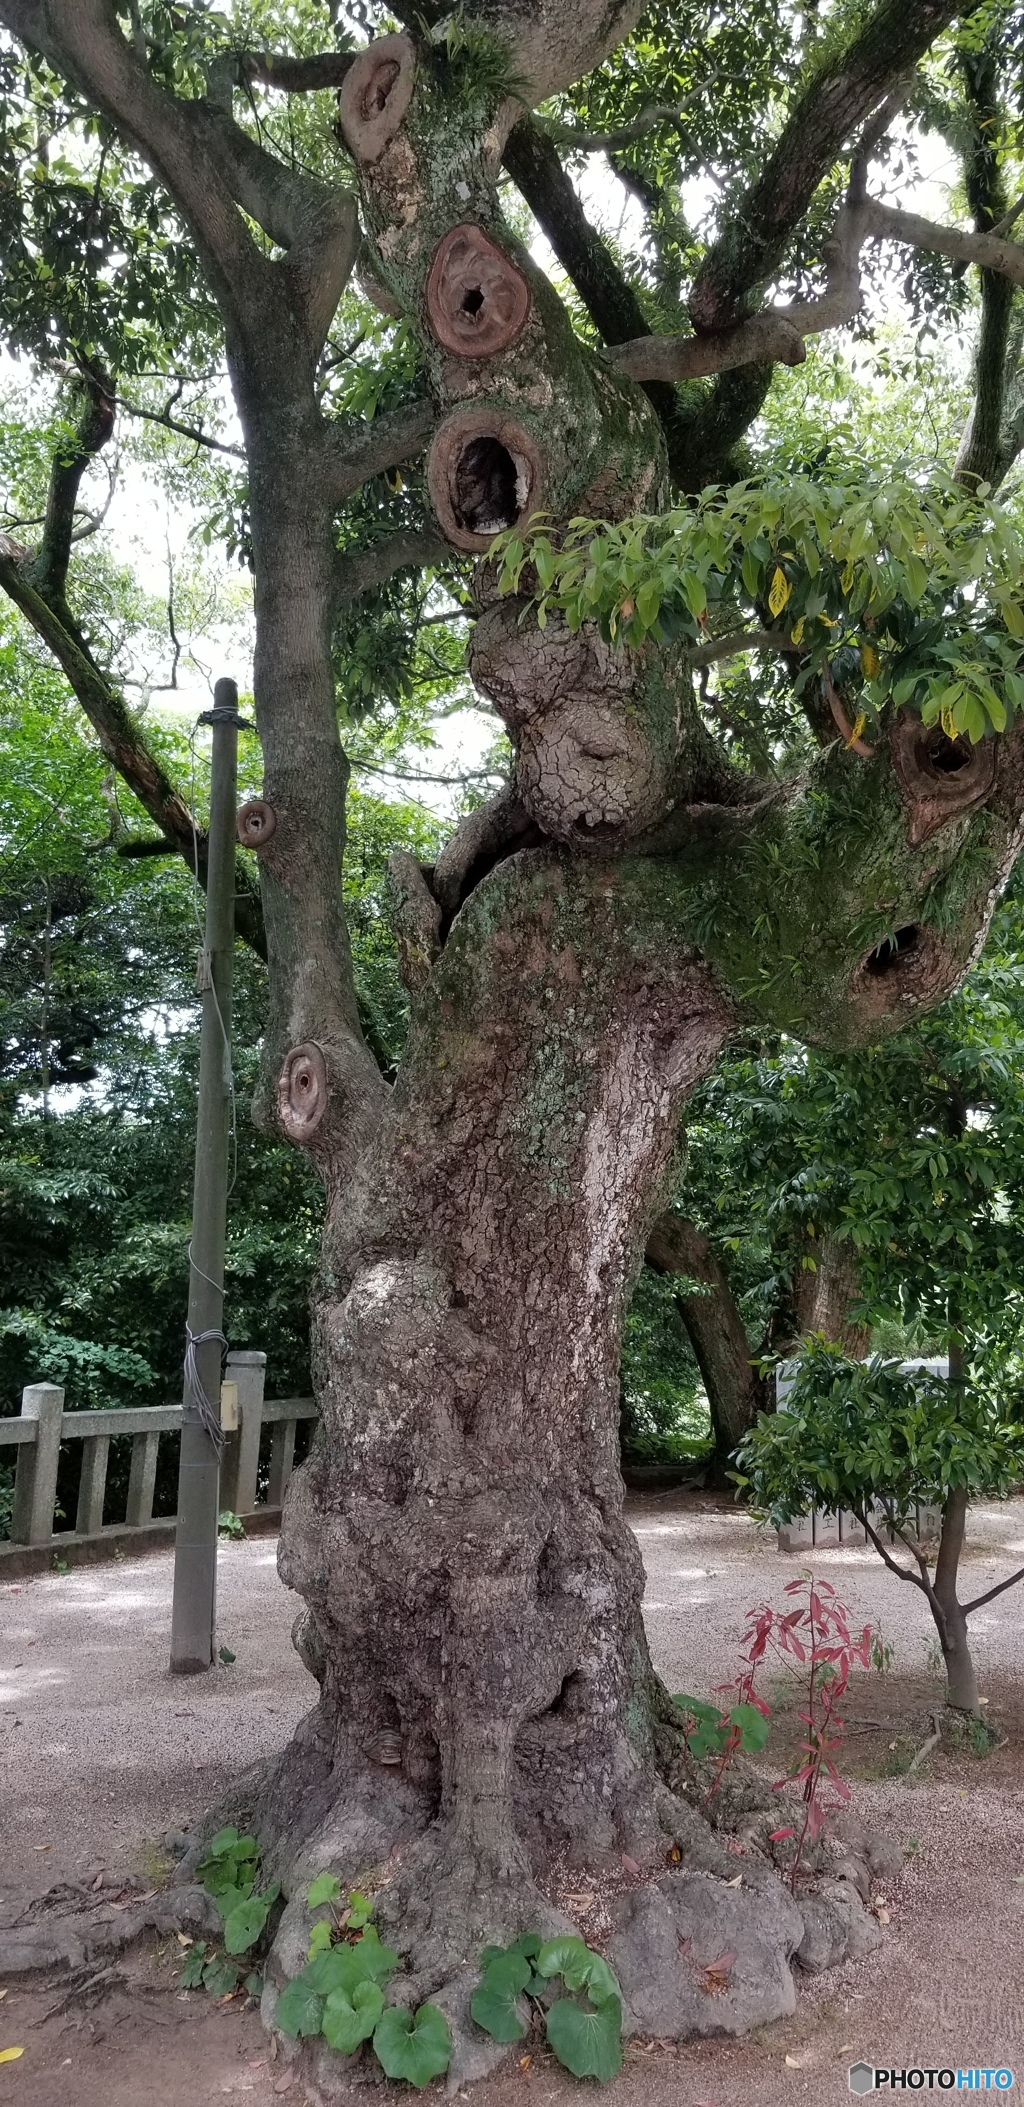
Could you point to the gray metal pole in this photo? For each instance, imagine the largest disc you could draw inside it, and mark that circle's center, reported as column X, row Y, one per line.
column 195, row 1549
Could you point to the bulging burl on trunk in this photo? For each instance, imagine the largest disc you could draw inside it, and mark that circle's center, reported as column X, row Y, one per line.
column 596, row 730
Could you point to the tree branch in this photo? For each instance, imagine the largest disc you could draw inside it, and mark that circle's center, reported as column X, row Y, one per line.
column 536, row 169
column 611, row 301
column 978, row 452
column 186, row 431
column 777, row 333
column 736, row 1393
column 739, row 640
column 48, row 568
column 903, row 1572
column 990, row 250
column 122, row 742
column 296, row 76
column 991, row 1593
column 361, row 570
column 575, row 140
column 353, row 456
column 317, row 226
column 830, row 111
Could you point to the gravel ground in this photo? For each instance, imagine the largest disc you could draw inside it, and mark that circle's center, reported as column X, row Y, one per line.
column 103, row 1750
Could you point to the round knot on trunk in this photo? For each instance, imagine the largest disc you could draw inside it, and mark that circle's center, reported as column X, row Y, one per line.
column 941, row 778
column 255, row 823
column 375, row 96
column 484, row 474
column 302, row 1092
column 477, row 300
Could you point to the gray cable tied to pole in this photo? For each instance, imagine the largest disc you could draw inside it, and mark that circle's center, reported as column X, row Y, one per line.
column 208, row 1412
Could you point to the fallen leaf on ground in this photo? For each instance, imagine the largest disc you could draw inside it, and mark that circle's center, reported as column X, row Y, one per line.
column 10, row 2055
column 525, row 2062
column 737, row 1883
column 581, row 1901
column 42, row 1847
column 284, row 2084
column 3, row 1993
column 629, row 1865
column 793, row 2062
column 883, row 1916
column 845, row 2048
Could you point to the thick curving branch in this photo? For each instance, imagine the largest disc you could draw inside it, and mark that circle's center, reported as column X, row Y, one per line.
column 47, row 569
column 777, row 333
column 831, row 110
column 296, row 76
column 353, row 456
column 81, row 40
column 978, row 454
column 363, row 570
column 121, row 739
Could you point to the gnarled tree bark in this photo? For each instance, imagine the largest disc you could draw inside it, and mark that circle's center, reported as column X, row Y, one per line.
column 472, row 1592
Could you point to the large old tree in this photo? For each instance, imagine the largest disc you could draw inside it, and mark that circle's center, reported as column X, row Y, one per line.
column 658, row 873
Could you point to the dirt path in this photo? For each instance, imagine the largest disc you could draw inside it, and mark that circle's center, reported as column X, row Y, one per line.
column 103, row 1752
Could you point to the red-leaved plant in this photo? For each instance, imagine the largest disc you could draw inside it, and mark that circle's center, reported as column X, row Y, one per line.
column 818, row 1637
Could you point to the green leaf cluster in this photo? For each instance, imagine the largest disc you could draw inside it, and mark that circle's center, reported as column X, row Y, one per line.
column 909, row 591
column 341, row 1994
column 584, row 2027
column 854, row 1433
column 710, row 1731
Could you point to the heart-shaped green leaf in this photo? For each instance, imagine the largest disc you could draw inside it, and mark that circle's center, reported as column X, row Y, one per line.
column 220, row 1977
column 224, row 1841
column 349, row 2021
column 228, row 1899
column 579, row 1967
column 320, row 1937
column 243, row 1924
column 494, row 2003
column 195, row 1961
column 414, row 2046
column 377, row 1962
column 299, row 2009
column 342, row 1967
column 587, row 2041
column 753, row 1727
column 323, row 1889
column 529, row 1943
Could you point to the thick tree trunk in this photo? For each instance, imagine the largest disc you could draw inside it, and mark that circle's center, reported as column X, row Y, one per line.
column 458, row 1534
column 825, row 1297
column 735, row 1391
column 961, row 1677
column 489, row 1718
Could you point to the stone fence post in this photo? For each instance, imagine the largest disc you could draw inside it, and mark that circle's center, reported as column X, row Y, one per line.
column 241, row 1454
column 35, row 1483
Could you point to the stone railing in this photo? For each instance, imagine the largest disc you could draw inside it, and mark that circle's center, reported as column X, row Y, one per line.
column 43, row 1425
